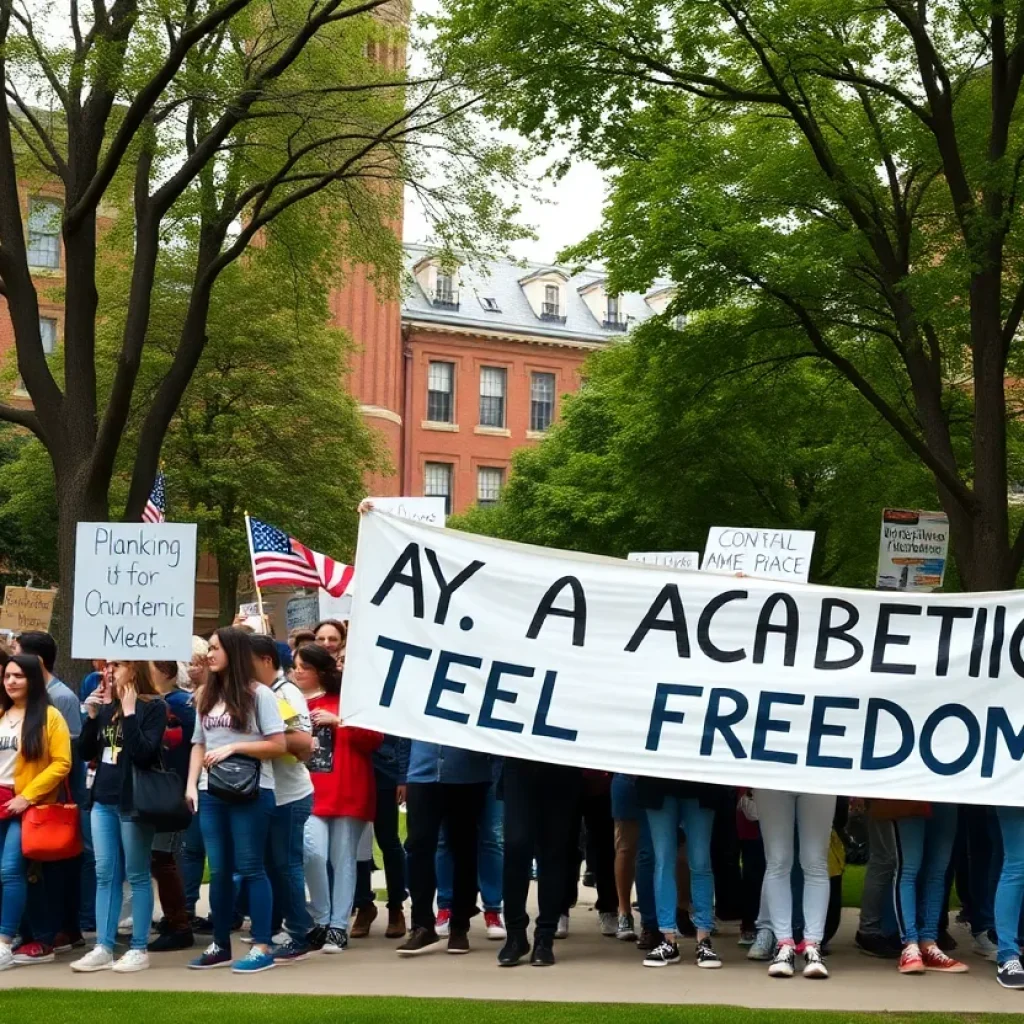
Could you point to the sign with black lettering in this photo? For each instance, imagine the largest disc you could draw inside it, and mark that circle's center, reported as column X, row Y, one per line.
column 134, row 591
column 783, row 555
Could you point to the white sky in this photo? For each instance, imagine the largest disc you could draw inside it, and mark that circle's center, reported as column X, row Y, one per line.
column 567, row 211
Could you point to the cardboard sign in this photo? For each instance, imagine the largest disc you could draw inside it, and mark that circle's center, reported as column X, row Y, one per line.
column 26, row 608
column 302, row 612
column 429, row 511
column 912, row 550
column 687, row 560
column 134, row 591
column 783, row 555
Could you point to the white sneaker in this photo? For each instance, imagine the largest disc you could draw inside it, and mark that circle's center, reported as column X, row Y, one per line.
column 6, row 957
column 562, row 931
column 125, row 926
column 984, row 946
column 783, row 965
column 609, row 924
column 97, row 959
column 764, row 945
column 133, row 960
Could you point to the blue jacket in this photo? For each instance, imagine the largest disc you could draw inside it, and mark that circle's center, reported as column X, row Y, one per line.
column 391, row 761
column 431, row 762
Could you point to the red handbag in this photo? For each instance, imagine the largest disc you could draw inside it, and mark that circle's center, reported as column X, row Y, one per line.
column 51, row 831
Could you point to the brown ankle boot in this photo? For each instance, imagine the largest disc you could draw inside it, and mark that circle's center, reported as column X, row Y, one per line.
column 396, row 924
column 365, row 916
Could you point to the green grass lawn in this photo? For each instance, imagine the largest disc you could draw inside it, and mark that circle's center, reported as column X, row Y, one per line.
column 39, row 1006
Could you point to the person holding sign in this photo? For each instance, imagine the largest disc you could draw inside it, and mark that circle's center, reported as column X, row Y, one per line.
column 344, row 800
column 123, row 732
column 35, row 759
column 239, row 731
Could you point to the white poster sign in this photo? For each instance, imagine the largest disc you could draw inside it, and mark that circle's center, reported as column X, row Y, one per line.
column 783, row 555
column 419, row 510
column 912, row 550
column 688, row 560
column 134, row 591
column 582, row 660
column 332, row 607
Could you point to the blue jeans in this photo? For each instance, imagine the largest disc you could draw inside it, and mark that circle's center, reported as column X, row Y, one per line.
column 697, row 822
column 235, row 836
column 645, row 877
column 490, row 857
column 285, row 865
column 122, row 848
column 12, row 878
column 192, row 863
column 1010, row 891
column 923, row 849
column 87, row 873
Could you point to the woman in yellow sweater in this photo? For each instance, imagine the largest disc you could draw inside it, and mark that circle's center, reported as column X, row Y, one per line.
column 35, row 758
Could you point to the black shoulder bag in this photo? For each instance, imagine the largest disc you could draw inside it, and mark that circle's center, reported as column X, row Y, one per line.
column 159, row 798
column 236, row 779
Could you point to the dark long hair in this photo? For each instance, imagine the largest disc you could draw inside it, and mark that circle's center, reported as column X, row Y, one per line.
column 233, row 686
column 33, row 729
column 321, row 662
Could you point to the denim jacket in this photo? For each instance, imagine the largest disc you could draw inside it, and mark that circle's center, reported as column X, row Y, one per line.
column 431, row 762
column 391, row 761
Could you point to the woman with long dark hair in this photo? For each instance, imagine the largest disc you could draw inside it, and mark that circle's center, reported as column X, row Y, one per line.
column 124, row 730
column 238, row 719
column 344, row 798
column 35, row 759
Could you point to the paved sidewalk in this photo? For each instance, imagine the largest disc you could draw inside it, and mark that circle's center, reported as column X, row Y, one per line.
column 590, row 968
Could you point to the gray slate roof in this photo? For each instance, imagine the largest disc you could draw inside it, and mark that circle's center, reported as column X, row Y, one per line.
column 500, row 281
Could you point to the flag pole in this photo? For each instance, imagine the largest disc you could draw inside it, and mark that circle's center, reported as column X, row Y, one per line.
column 252, row 561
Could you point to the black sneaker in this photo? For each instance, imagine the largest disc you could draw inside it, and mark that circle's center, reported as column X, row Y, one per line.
column 814, row 963
column 458, row 941
column 662, row 955
column 783, row 963
column 1010, row 974
column 706, row 955
column 202, row 925
column 421, row 940
column 317, row 937
column 882, row 946
column 335, row 941
column 543, row 953
column 649, row 939
column 169, row 942
column 517, row 945
column 290, row 952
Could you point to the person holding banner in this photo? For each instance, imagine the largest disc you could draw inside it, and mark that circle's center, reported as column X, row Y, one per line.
column 237, row 721
column 123, row 732
column 781, row 816
column 35, row 759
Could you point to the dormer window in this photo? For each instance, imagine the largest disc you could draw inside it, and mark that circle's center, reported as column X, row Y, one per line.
column 552, row 308
column 614, row 320
column 490, row 304
column 437, row 282
column 544, row 289
column 445, row 295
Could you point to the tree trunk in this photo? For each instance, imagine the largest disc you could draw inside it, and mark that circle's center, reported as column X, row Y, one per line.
column 227, row 585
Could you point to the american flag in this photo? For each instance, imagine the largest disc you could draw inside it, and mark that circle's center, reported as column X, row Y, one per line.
column 156, row 508
column 280, row 560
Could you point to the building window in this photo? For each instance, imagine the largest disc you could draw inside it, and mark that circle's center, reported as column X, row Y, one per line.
column 492, row 396
column 488, row 485
column 437, row 483
column 542, row 400
column 445, row 295
column 44, row 218
column 48, row 334
column 552, row 307
column 613, row 317
column 440, row 379
column 490, row 304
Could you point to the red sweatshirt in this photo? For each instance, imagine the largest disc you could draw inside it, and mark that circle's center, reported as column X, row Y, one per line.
column 341, row 767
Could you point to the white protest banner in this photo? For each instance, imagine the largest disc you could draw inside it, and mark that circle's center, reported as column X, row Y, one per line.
column 576, row 659
column 783, row 555
column 134, row 591
column 419, row 510
column 26, row 608
column 912, row 550
column 688, row 560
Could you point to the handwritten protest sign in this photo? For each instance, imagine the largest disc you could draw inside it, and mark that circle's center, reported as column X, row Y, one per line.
column 783, row 555
column 134, row 591
column 689, row 560
column 429, row 511
column 26, row 608
column 912, row 550
column 302, row 612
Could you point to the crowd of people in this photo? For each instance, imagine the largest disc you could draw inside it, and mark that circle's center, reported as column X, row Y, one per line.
column 239, row 764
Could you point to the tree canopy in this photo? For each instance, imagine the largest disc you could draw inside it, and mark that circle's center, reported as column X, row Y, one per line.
column 847, row 174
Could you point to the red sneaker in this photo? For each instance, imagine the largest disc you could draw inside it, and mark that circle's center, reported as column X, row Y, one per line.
column 910, row 960
column 444, row 920
column 34, row 953
column 494, row 925
column 935, row 960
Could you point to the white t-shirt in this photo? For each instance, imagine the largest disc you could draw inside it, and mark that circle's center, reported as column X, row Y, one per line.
column 215, row 730
column 291, row 777
column 10, row 742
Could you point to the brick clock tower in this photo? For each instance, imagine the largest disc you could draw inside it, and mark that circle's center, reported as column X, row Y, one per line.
column 377, row 378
